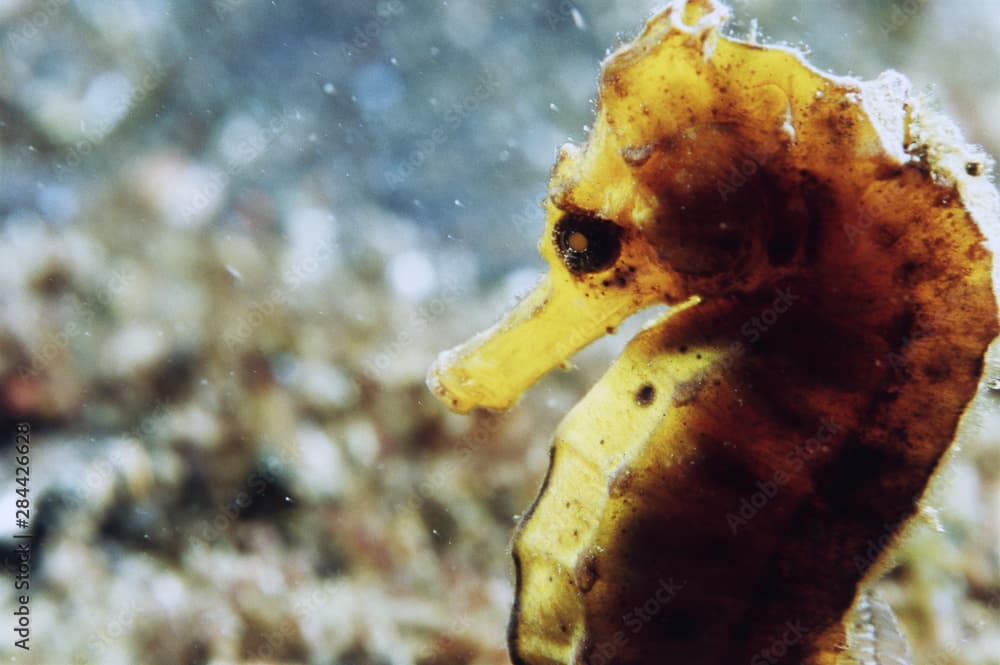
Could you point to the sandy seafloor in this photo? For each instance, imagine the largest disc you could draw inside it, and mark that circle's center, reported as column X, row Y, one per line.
column 234, row 236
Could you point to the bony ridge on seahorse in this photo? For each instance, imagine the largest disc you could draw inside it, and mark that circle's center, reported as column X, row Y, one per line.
column 827, row 247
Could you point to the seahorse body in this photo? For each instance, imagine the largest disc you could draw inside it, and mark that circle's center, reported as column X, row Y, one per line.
column 725, row 490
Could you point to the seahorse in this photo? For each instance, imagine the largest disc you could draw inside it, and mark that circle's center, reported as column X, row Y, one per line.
column 731, row 486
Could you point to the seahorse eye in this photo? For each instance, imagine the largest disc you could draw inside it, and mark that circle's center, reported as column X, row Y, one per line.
column 587, row 243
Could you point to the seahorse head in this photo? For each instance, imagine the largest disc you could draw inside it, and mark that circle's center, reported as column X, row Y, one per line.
column 714, row 168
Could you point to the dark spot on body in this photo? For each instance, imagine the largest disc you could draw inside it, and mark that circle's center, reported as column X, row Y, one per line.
column 901, row 329
column 886, row 236
column 440, row 521
column 902, row 435
column 887, row 396
column 947, row 199
column 781, row 248
column 645, row 395
column 886, row 172
column 938, row 371
column 856, row 477
column 678, row 622
column 818, row 199
column 586, row 572
column 907, row 273
column 725, row 466
column 977, row 253
column 585, row 651
column 977, row 367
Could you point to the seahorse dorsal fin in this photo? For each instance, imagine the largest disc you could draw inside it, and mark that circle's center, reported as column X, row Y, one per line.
column 874, row 636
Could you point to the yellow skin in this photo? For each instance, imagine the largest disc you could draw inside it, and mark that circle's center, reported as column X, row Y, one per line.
column 724, row 492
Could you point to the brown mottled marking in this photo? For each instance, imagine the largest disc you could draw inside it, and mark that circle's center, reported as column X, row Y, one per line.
column 686, row 392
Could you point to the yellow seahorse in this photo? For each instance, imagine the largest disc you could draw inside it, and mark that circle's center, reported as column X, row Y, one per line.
column 724, row 493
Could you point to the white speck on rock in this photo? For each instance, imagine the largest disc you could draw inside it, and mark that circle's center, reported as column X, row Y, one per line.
column 319, row 467
column 105, row 103
column 311, row 253
column 362, row 442
column 184, row 193
column 169, row 593
column 133, row 348
column 325, row 386
column 411, row 275
column 241, row 140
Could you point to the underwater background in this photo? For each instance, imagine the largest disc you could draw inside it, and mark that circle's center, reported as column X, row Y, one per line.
column 233, row 236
